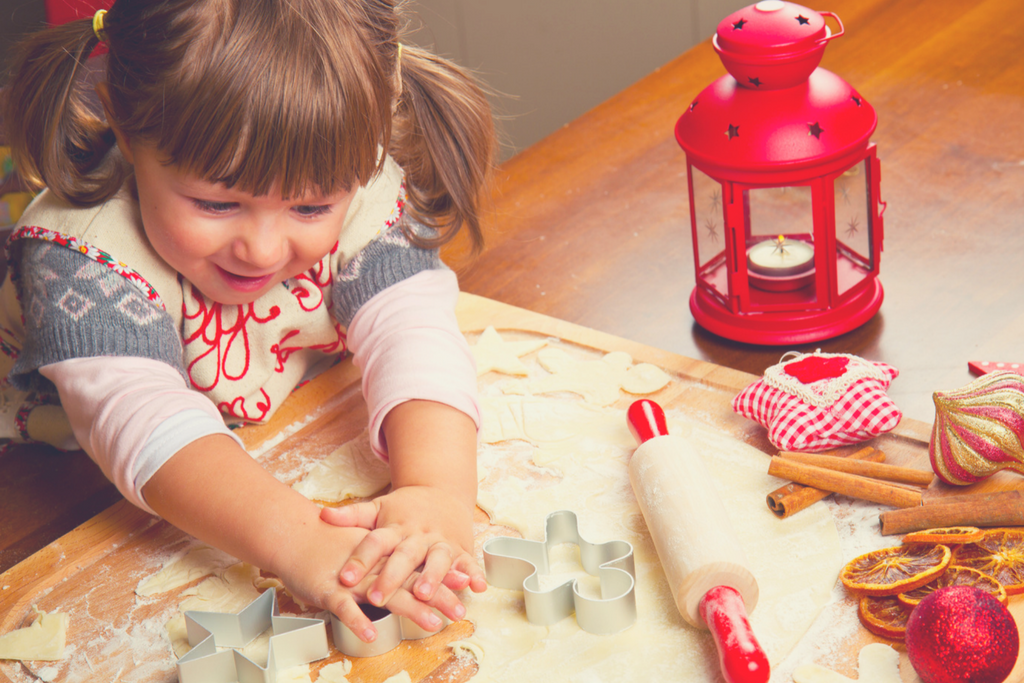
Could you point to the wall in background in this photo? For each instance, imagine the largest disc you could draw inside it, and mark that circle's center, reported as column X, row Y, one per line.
column 17, row 17
column 552, row 60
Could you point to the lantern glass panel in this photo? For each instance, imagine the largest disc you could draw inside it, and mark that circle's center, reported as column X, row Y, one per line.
column 854, row 253
column 779, row 229
column 709, row 233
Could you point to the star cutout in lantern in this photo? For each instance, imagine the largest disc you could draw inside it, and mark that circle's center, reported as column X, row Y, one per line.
column 755, row 81
column 803, row 20
column 739, row 24
column 494, row 353
column 815, row 129
column 295, row 641
column 733, row 132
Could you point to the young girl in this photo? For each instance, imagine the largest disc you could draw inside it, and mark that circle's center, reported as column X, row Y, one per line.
column 264, row 187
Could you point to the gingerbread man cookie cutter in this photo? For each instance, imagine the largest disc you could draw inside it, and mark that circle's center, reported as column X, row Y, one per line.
column 295, row 641
column 518, row 564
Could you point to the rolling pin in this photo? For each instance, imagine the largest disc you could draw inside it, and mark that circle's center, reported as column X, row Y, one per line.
column 704, row 564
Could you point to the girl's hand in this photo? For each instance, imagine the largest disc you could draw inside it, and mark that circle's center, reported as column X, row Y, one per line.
column 309, row 568
column 411, row 527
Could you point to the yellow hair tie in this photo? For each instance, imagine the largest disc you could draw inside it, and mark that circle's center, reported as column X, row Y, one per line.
column 97, row 25
column 399, row 53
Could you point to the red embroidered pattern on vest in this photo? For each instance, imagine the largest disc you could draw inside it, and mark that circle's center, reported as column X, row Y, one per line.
column 219, row 338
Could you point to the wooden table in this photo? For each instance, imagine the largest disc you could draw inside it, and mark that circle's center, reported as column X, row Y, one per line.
column 591, row 225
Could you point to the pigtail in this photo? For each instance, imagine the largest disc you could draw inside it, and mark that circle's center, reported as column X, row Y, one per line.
column 443, row 137
column 57, row 137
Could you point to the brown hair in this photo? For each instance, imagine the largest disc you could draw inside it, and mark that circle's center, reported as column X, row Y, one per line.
column 251, row 93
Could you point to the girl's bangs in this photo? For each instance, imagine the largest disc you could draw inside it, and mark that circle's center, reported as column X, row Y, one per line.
column 301, row 117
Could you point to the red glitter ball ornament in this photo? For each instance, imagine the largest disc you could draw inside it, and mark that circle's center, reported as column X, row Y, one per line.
column 961, row 634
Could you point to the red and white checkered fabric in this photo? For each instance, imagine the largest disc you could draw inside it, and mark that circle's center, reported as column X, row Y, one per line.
column 847, row 405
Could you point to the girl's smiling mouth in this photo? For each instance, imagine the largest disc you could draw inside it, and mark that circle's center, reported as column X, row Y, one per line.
column 244, row 283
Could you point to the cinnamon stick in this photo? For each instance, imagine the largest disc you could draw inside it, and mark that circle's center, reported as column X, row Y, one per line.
column 864, row 468
column 981, row 510
column 792, row 498
column 851, row 485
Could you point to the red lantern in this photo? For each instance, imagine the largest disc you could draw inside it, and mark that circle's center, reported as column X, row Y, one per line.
column 784, row 184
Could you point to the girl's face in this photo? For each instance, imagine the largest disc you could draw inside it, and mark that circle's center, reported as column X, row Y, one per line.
column 232, row 245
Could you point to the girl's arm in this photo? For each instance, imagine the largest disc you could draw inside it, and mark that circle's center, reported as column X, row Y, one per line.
column 200, row 479
column 419, row 380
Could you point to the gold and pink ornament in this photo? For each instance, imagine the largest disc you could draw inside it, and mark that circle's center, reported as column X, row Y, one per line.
column 979, row 429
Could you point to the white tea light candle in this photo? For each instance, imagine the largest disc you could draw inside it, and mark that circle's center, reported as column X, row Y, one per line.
column 780, row 257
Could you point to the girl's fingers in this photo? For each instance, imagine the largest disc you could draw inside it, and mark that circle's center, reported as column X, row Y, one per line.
column 456, row 580
column 435, row 569
column 403, row 563
column 447, row 603
column 468, row 565
column 363, row 515
column 444, row 601
column 350, row 614
column 375, row 545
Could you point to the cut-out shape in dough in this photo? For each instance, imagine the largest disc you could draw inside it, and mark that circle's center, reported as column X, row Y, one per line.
column 331, row 480
column 878, row 663
column 597, row 381
column 42, row 640
column 492, row 353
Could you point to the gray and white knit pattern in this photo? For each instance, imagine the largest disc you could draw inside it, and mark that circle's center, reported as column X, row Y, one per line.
column 388, row 259
column 75, row 307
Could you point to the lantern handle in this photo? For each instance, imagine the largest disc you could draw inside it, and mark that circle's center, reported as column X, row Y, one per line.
column 842, row 29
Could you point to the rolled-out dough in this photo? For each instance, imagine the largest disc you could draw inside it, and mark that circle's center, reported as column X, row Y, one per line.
column 541, row 454
column 42, row 640
column 878, row 663
column 597, row 381
column 492, row 353
column 550, row 453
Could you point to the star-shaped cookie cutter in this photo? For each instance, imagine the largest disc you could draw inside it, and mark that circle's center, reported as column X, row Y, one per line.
column 295, row 641
column 517, row 564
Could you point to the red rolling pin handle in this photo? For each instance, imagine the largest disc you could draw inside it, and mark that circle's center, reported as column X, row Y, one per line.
column 722, row 609
column 739, row 653
column 646, row 420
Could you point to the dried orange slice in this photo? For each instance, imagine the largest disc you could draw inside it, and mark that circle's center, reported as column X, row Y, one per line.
column 998, row 553
column 955, row 576
column 950, row 535
column 884, row 616
column 895, row 570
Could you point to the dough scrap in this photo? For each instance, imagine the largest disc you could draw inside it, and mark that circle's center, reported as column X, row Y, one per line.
column 185, row 568
column 332, row 480
column 43, row 640
column 228, row 591
column 400, row 677
column 336, row 672
column 492, row 353
column 597, row 381
column 877, row 663
column 467, row 648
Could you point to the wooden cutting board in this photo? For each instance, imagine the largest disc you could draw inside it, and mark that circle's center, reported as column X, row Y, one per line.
column 91, row 572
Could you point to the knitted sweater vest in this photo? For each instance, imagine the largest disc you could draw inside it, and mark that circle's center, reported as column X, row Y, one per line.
column 245, row 358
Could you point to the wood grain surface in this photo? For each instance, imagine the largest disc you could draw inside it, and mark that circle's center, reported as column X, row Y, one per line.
column 91, row 571
column 590, row 225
